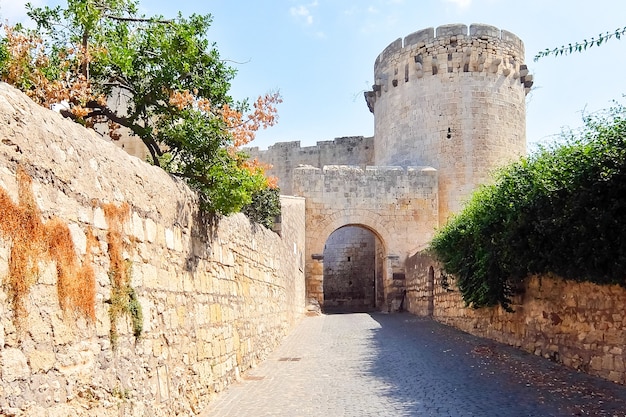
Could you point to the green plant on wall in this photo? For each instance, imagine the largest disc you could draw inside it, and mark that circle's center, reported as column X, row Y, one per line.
column 123, row 301
column 561, row 210
column 265, row 206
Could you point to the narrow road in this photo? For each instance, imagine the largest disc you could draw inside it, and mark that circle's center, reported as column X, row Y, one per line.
column 401, row 365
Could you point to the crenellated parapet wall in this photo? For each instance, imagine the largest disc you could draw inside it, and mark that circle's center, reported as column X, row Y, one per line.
column 479, row 49
column 284, row 157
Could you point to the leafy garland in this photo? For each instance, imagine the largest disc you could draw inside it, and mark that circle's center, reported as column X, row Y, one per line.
column 581, row 46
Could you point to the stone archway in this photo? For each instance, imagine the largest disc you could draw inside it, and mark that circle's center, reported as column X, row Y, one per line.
column 317, row 238
column 352, row 272
column 398, row 205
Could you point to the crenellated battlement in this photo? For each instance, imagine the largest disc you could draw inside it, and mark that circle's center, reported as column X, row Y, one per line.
column 345, row 141
column 285, row 157
column 369, row 171
column 450, row 50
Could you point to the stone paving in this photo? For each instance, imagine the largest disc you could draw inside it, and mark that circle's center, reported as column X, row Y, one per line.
column 400, row 365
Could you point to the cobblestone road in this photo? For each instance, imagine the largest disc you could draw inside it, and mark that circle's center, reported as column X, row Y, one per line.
column 401, row 365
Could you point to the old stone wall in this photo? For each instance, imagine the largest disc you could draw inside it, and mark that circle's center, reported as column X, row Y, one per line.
column 215, row 298
column 286, row 156
column 581, row 325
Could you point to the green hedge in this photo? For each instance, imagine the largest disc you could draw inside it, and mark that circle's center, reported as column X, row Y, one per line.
column 561, row 210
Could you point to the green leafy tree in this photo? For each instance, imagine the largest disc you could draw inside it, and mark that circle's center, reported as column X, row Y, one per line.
column 170, row 86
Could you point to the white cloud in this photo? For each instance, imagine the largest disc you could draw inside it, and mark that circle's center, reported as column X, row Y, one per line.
column 303, row 13
column 351, row 11
column 461, row 4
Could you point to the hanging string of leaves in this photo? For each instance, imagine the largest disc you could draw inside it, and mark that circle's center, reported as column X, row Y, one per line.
column 581, row 46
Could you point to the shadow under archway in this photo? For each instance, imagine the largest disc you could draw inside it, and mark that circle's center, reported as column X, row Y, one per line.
column 353, row 271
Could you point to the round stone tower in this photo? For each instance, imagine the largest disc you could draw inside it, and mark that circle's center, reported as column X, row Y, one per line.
column 453, row 99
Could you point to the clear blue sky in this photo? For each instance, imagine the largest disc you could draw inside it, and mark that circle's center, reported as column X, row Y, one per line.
column 320, row 54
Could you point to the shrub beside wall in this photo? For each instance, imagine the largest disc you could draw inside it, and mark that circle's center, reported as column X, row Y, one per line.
column 562, row 210
column 214, row 298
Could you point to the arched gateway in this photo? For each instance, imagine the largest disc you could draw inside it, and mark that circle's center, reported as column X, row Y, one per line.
column 353, row 260
column 399, row 206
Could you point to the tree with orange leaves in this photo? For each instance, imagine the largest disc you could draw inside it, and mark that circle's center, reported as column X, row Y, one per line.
column 170, row 79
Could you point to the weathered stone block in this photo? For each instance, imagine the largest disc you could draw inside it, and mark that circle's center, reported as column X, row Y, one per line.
column 99, row 221
column 14, row 365
column 41, row 361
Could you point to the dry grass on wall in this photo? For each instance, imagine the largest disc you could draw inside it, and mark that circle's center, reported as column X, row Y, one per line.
column 124, row 301
column 76, row 285
column 33, row 241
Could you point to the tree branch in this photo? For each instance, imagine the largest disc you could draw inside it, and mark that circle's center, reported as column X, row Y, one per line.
column 121, row 83
column 99, row 110
column 138, row 19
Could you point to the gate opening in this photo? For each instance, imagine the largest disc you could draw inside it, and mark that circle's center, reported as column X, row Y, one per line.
column 353, row 270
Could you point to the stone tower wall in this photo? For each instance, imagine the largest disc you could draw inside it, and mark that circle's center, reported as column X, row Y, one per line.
column 452, row 99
